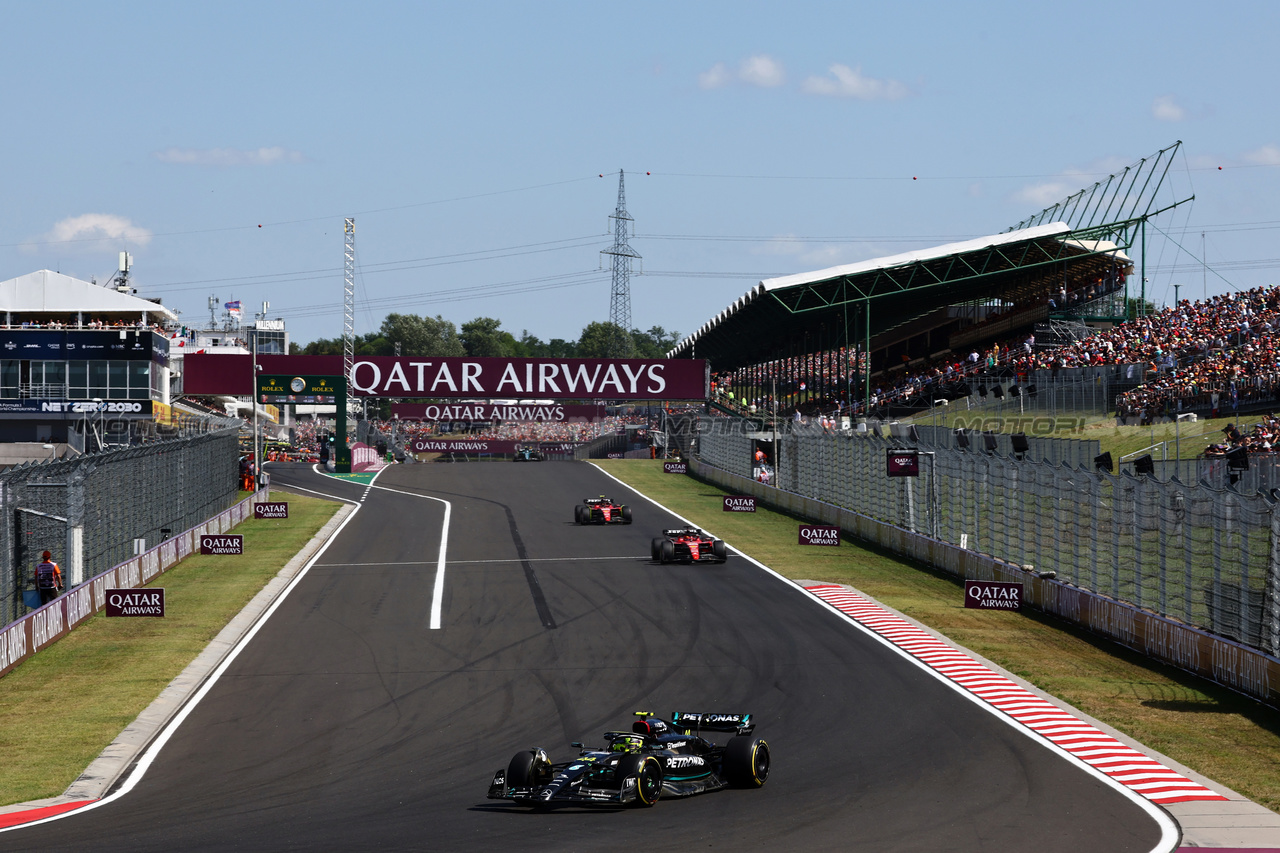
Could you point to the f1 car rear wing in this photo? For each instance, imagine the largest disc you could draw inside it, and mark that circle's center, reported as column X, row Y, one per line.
column 597, row 501
column 682, row 531
column 691, row 723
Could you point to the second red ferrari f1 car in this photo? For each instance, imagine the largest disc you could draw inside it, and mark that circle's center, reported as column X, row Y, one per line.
column 688, row 545
column 601, row 510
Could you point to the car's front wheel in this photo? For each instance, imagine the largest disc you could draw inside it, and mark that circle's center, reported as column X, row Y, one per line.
column 647, row 772
column 529, row 769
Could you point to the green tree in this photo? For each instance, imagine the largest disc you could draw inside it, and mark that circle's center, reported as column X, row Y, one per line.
column 655, row 343
column 1135, row 308
column 483, row 338
column 605, row 340
column 421, row 336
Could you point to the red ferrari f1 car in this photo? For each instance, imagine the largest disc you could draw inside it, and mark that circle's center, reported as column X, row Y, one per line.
column 601, row 510
column 688, row 545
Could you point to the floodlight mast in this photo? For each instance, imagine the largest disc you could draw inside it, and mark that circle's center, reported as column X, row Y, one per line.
column 349, row 297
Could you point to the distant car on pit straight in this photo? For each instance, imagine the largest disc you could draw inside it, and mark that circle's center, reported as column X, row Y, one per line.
column 688, row 545
column 601, row 510
column 656, row 758
column 526, row 454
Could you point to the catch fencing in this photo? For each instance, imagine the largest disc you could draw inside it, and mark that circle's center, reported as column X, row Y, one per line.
column 1205, row 555
column 97, row 511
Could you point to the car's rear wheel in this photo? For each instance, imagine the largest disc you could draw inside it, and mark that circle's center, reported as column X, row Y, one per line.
column 746, row 762
column 626, row 514
column 655, row 549
column 668, row 552
column 578, row 512
column 647, row 772
column 719, row 551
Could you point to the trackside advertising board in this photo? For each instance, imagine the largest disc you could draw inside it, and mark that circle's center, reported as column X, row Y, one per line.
column 135, row 602
column 992, row 595
column 819, row 534
column 271, row 509
column 225, row 544
column 454, row 377
column 739, row 503
column 675, row 467
column 903, row 463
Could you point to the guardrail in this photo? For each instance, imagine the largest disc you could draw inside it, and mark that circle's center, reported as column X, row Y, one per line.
column 50, row 623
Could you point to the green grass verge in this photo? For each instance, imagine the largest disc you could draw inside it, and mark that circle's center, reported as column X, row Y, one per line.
column 1214, row 731
column 63, row 706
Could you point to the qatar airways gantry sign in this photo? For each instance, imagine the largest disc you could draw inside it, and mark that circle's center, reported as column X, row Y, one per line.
column 438, row 377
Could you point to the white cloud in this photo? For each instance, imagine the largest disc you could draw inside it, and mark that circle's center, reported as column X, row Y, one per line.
column 846, row 82
column 762, row 70
column 1165, row 108
column 91, row 228
column 1045, row 194
column 1267, row 155
column 229, row 156
column 814, row 255
column 715, row 77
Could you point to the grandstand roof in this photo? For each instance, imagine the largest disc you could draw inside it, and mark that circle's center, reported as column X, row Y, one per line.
column 896, row 289
column 43, row 293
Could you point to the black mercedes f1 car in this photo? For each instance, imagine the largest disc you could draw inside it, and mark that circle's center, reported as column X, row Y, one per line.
column 656, row 757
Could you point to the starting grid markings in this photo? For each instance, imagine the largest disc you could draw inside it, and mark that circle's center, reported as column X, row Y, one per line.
column 1122, row 763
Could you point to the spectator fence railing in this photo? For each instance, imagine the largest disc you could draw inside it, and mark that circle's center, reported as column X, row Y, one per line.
column 96, row 511
column 1203, row 552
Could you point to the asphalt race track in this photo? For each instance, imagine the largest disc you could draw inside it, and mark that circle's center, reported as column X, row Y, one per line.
column 348, row 724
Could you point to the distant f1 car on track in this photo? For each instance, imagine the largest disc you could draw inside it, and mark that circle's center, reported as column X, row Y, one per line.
column 688, row 545
column 526, row 454
column 656, row 757
column 601, row 510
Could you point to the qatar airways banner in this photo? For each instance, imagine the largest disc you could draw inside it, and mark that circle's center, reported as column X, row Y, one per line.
column 521, row 413
column 485, row 445
column 407, row 376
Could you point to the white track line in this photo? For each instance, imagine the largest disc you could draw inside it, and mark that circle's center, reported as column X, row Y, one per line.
column 1170, row 834
column 144, row 763
column 437, row 592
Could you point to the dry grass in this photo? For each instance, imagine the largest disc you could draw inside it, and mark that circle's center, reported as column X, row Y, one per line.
column 62, row 707
column 1214, row 731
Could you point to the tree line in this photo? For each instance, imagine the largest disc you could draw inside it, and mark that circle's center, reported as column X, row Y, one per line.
column 411, row 335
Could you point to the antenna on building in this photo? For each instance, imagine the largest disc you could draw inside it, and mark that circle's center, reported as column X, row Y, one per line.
column 213, row 312
column 620, row 295
column 122, row 273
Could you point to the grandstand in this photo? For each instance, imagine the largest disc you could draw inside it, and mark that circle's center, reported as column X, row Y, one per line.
column 832, row 337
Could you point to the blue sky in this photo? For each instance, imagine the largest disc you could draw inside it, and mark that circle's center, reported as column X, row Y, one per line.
column 222, row 145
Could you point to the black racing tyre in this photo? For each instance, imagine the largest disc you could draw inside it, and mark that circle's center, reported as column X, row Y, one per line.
column 647, row 771
column 746, row 762
column 718, row 550
column 528, row 769
column 626, row 514
column 668, row 552
column 655, row 549
column 578, row 513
